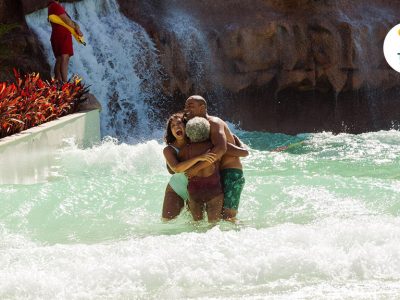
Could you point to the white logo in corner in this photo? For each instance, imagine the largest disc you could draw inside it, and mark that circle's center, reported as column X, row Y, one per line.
column 391, row 48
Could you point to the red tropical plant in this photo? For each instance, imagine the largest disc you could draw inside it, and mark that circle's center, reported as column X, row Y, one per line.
column 30, row 101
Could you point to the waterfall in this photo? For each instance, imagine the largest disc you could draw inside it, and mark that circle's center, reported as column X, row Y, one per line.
column 197, row 52
column 193, row 44
column 119, row 63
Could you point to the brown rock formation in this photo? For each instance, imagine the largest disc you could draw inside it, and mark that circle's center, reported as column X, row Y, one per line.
column 277, row 65
column 19, row 48
column 288, row 66
column 30, row 6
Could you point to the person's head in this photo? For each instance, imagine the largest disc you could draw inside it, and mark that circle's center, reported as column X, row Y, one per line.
column 175, row 128
column 195, row 106
column 198, row 129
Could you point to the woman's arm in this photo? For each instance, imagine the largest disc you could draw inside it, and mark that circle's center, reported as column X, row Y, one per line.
column 238, row 150
column 179, row 167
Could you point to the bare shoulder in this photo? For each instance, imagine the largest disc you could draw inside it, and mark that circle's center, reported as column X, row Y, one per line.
column 168, row 149
column 219, row 122
column 216, row 121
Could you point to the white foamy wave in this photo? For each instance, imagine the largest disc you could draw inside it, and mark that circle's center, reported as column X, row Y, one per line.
column 143, row 158
column 321, row 202
column 277, row 261
column 10, row 241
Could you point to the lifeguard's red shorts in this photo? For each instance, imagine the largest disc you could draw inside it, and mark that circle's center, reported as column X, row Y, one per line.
column 62, row 45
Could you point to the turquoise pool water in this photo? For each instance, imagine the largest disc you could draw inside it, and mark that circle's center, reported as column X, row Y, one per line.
column 318, row 221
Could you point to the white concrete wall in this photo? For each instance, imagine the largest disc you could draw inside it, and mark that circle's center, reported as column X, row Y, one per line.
column 29, row 157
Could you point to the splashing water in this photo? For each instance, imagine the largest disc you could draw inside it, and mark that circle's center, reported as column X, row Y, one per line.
column 197, row 55
column 320, row 220
column 119, row 63
column 193, row 44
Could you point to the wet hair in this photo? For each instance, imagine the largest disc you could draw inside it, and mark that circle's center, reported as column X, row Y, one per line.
column 169, row 137
column 198, row 129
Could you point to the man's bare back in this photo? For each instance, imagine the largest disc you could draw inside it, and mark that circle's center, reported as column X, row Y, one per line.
column 227, row 161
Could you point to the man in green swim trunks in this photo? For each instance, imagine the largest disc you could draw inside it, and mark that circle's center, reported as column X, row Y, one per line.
column 231, row 168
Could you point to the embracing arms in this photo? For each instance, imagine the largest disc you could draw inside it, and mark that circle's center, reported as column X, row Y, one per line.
column 218, row 139
column 177, row 167
column 237, row 149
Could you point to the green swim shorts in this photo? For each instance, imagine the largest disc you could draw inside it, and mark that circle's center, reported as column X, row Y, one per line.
column 232, row 181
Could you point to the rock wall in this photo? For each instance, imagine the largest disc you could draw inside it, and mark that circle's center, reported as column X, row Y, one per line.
column 19, row 47
column 30, row 6
column 287, row 66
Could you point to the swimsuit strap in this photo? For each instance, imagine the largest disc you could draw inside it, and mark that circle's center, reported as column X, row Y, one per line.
column 175, row 148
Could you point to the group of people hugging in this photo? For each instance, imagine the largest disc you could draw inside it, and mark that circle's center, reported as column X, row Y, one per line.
column 203, row 157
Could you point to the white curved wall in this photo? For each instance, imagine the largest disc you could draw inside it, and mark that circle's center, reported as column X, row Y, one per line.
column 29, row 157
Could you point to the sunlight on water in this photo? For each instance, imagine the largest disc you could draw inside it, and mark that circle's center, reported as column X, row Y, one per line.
column 320, row 219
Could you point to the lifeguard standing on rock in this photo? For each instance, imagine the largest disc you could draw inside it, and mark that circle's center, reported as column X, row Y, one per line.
column 61, row 40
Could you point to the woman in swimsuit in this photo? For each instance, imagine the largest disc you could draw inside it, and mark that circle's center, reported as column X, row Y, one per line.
column 176, row 192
